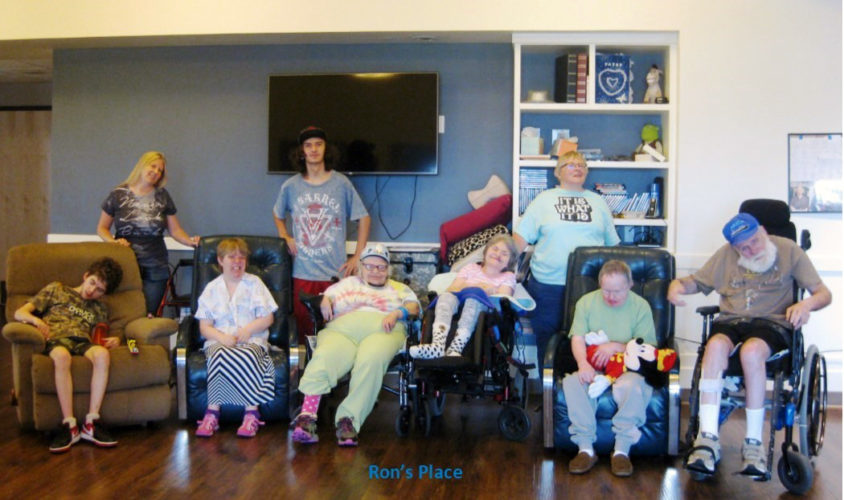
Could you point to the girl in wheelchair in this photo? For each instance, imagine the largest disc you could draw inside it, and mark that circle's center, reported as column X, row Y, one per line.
column 235, row 312
column 472, row 286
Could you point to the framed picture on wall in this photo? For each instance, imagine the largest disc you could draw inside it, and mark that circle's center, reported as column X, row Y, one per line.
column 814, row 173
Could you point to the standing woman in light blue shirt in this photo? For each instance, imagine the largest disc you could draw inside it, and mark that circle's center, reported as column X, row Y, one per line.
column 556, row 222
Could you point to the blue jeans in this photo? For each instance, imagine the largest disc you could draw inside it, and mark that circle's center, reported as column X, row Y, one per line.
column 547, row 318
column 154, row 284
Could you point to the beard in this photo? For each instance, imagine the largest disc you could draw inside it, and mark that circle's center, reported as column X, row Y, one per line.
column 762, row 261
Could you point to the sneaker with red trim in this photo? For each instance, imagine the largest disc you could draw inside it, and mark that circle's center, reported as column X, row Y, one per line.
column 65, row 437
column 208, row 425
column 95, row 433
column 250, row 425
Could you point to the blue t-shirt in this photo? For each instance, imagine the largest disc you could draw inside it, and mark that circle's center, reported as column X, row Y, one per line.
column 558, row 221
column 318, row 215
column 142, row 220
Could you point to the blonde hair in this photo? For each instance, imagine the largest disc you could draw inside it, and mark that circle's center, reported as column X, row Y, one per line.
column 569, row 157
column 143, row 161
column 615, row 267
column 231, row 245
column 511, row 247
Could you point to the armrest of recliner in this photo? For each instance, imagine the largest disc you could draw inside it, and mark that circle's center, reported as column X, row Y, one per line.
column 148, row 330
column 24, row 334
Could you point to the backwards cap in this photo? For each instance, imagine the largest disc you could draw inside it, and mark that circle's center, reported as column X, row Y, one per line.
column 310, row 133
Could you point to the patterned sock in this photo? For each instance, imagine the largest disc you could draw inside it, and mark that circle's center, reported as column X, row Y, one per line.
column 311, row 404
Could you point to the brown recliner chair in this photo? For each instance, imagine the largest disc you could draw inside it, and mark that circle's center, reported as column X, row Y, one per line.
column 138, row 388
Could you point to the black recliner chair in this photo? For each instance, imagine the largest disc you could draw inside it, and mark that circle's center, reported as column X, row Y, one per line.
column 652, row 269
column 270, row 261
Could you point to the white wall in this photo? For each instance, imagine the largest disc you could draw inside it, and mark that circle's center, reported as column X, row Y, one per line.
column 750, row 72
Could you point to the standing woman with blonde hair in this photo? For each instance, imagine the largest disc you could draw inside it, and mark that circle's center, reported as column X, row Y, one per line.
column 141, row 210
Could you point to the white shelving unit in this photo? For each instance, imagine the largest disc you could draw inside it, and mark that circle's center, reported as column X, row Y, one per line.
column 533, row 64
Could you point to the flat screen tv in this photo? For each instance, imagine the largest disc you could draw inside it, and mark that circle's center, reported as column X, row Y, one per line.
column 382, row 123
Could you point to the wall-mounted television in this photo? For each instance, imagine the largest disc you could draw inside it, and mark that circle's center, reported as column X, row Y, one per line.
column 382, row 123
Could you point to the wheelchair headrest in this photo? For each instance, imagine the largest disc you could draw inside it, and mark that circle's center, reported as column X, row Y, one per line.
column 774, row 215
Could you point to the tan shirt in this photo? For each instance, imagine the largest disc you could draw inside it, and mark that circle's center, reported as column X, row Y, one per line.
column 757, row 295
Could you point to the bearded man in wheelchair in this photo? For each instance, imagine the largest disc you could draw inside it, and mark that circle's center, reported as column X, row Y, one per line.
column 755, row 275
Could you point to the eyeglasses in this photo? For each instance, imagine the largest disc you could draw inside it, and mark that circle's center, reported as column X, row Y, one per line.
column 572, row 166
column 375, row 267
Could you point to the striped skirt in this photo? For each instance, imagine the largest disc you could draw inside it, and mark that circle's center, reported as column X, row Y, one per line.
column 242, row 375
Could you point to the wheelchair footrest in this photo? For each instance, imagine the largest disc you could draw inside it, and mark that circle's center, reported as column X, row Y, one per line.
column 446, row 363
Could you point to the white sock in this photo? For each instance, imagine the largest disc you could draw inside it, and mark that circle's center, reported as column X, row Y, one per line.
column 755, row 422
column 708, row 416
column 71, row 421
column 588, row 450
column 617, row 452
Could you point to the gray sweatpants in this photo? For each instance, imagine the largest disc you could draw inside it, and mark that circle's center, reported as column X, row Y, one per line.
column 630, row 392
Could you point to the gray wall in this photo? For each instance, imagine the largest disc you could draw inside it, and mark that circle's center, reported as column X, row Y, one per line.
column 205, row 108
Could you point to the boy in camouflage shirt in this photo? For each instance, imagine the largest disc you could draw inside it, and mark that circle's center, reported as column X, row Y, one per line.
column 66, row 317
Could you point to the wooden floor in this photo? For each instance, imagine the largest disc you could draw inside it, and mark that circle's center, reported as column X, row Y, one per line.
column 168, row 461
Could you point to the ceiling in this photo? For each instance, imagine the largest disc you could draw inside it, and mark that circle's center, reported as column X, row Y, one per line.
column 32, row 61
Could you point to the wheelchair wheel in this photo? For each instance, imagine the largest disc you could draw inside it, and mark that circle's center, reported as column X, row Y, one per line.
column 795, row 472
column 403, row 420
column 817, row 404
column 513, row 423
column 694, row 403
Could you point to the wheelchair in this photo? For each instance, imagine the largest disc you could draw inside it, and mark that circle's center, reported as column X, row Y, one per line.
column 487, row 368
column 395, row 369
column 799, row 398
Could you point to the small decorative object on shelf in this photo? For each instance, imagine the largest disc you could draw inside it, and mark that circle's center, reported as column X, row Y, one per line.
column 613, row 74
column 653, row 94
column 650, row 149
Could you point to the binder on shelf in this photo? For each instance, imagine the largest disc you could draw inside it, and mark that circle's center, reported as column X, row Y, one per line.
column 582, row 71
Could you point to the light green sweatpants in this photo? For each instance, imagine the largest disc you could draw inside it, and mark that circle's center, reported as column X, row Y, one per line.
column 357, row 342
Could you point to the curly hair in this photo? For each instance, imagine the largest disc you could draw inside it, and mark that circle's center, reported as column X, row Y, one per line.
column 108, row 270
column 331, row 158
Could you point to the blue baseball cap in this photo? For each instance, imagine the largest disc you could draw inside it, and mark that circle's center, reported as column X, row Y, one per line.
column 740, row 228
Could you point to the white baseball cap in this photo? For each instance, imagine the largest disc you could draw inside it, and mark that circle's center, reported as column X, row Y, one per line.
column 376, row 251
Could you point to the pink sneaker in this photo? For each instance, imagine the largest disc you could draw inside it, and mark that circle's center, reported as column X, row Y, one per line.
column 208, row 425
column 250, row 425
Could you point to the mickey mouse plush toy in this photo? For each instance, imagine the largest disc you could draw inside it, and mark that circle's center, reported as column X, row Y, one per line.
column 644, row 359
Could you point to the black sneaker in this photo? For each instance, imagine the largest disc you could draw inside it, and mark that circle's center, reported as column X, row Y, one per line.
column 95, row 433
column 64, row 438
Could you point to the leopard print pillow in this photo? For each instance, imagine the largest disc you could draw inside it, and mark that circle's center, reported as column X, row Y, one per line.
column 468, row 245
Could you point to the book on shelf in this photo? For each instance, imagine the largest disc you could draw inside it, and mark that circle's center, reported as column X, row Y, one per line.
column 560, row 73
column 531, row 183
column 582, row 71
column 612, row 78
column 571, row 78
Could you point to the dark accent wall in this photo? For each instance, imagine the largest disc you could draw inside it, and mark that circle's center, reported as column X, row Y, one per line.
column 205, row 108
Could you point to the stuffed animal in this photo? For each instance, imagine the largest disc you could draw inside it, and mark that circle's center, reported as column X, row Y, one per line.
column 645, row 359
